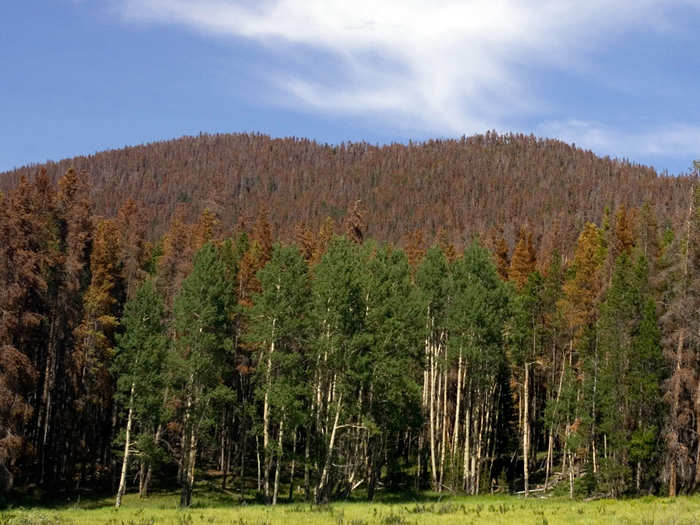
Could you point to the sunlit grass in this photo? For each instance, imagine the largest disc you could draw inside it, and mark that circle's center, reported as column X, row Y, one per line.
column 211, row 507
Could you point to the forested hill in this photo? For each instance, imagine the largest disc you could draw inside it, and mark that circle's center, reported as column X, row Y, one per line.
column 465, row 186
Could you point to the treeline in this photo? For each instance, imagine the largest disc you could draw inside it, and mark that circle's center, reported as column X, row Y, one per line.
column 335, row 364
column 464, row 187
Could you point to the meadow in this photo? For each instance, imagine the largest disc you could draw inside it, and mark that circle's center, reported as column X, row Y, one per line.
column 220, row 508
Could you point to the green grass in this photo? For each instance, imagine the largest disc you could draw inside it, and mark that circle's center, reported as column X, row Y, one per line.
column 217, row 508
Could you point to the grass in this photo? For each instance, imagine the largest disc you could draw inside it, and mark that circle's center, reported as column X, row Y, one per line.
column 217, row 508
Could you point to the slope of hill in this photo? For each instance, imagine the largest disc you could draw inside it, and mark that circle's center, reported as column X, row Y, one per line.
column 465, row 186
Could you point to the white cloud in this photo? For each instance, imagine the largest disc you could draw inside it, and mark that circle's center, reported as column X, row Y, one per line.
column 441, row 66
column 669, row 140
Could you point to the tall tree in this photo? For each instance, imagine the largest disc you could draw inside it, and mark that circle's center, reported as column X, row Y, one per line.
column 434, row 286
column 581, row 295
column 279, row 328
column 338, row 313
column 69, row 278
column 138, row 366
column 94, row 344
column 202, row 344
column 24, row 264
column 523, row 260
column 477, row 316
column 680, row 321
column 631, row 371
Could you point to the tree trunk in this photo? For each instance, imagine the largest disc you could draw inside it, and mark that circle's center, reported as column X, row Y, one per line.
column 526, row 430
column 257, row 455
column 47, row 390
column 188, row 454
column 467, row 448
column 279, row 460
column 676, row 394
column 125, row 462
column 433, row 378
column 329, row 456
column 190, row 467
column 455, row 434
column 550, row 452
column 445, row 419
column 697, row 431
column 291, row 470
column 266, row 420
column 571, row 475
column 307, row 464
column 142, row 475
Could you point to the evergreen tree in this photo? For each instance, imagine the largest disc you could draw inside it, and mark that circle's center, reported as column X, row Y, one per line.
column 24, row 264
column 522, row 262
column 94, row 343
column 138, row 366
column 433, row 280
column 581, row 295
column 631, row 371
column 390, row 370
column 477, row 314
column 527, row 337
column 279, row 328
column 339, row 338
column 201, row 346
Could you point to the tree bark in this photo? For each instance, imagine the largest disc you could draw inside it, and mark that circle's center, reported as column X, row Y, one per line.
column 676, row 391
column 433, row 378
column 279, row 460
column 266, row 419
column 291, row 470
column 125, row 462
column 327, row 464
column 526, row 430
column 455, row 435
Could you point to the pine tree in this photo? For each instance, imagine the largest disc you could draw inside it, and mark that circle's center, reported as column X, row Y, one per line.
column 477, row 315
column 499, row 248
column 133, row 248
column 527, row 334
column 94, row 342
column 390, row 370
column 581, row 294
column 433, row 279
column 138, row 365
column 201, row 347
column 24, row 261
column 278, row 328
column 355, row 223
column 631, row 371
column 522, row 262
column 338, row 332
column 680, row 321
column 69, row 278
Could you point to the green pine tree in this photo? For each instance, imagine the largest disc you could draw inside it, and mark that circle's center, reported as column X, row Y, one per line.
column 138, row 366
column 201, row 349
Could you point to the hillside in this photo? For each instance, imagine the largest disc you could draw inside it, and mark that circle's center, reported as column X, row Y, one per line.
column 366, row 368
column 465, row 186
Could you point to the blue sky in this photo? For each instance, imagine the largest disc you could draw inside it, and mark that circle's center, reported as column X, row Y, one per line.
column 618, row 77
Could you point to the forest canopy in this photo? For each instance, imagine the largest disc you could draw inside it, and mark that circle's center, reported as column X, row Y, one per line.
column 150, row 337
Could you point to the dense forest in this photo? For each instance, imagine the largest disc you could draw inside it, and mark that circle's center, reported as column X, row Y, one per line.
column 402, row 343
column 465, row 186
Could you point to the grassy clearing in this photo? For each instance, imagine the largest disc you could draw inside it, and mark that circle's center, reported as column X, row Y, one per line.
column 212, row 508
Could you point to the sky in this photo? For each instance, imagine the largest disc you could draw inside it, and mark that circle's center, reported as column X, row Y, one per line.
column 618, row 77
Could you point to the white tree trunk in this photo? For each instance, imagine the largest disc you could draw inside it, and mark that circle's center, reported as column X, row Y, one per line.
column 266, row 417
column 125, row 462
column 279, row 461
column 329, row 456
column 526, row 430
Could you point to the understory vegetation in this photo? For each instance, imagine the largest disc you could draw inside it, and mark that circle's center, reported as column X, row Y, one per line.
column 218, row 507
